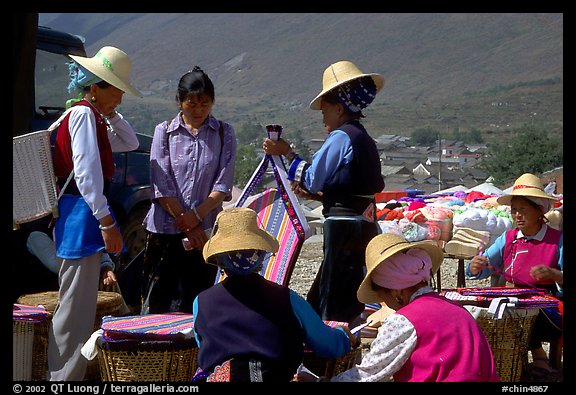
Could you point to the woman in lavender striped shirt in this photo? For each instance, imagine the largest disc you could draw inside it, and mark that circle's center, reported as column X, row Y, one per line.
column 192, row 172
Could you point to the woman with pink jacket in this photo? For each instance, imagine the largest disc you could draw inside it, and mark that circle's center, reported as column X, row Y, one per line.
column 428, row 337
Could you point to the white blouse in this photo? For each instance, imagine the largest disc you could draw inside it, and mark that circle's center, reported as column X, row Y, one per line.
column 395, row 342
column 86, row 157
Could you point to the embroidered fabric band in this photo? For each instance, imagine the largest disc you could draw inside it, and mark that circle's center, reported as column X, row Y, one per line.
column 299, row 171
column 526, row 186
column 280, row 213
column 292, row 169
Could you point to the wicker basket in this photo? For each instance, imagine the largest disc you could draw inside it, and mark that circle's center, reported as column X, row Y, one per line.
column 508, row 338
column 147, row 360
column 22, row 350
column 330, row 367
column 33, row 182
column 109, row 303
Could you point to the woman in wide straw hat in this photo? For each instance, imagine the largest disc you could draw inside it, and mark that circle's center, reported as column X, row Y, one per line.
column 249, row 328
column 344, row 175
column 528, row 256
column 86, row 228
column 428, row 337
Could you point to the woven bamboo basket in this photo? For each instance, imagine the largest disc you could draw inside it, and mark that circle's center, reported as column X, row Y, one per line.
column 508, row 338
column 109, row 303
column 330, row 367
column 147, row 360
column 33, row 181
column 22, row 350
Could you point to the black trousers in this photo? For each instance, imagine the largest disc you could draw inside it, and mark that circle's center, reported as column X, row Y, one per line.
column 171, row 276
column 333, row 292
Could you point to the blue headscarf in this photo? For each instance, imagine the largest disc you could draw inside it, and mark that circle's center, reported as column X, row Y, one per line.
column 241, row 262
column 357, row 94
column 80, row 78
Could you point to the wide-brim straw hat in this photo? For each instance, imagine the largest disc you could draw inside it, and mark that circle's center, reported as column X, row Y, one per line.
column 339, row 73
column 111, row 65
column 236, row 229
column 527, row 185
column 383, row 247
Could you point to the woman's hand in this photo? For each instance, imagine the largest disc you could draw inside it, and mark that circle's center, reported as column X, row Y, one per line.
column 108, row 277
column 272, row 147
column 354, row 340
column 542, row 273
column 306, row 377
column 478, row 263
column 186, row 221
column 197, row 238
column 303, row 193
column 113, row 242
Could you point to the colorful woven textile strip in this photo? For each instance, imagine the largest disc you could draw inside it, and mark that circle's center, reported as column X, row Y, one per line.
column 148, row 326
column 527, row 297
column 280, row 213
column 334, row 324
column 498, row 292
column 22, row 312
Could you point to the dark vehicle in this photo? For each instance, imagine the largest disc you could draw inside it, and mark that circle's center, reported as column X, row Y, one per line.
column 130, row 190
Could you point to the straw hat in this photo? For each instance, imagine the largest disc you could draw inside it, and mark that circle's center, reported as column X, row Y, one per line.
column 236, row 230
column 112, row 65
column 339, row 73
column 383, row 247
column 527, row 185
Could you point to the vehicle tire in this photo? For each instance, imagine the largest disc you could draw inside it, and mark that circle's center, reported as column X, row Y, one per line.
column 134, row 235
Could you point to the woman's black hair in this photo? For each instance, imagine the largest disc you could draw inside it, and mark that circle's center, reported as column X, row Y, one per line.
column 195, row 82
column 102, row 85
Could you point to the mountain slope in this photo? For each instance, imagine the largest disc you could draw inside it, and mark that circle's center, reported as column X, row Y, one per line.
column 271, row 65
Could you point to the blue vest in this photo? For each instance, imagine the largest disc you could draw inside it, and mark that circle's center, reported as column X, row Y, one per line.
column 248, row 317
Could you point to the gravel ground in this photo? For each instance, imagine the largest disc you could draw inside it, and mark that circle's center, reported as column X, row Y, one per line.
column 310, row 259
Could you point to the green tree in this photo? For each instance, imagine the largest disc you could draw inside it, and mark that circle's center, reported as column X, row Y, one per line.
column 250, row 133
column 474, row 136
column 425, row 136
column 529, row 150
column 247, row 160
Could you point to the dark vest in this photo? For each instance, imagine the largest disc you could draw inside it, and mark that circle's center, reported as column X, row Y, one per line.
column 63, row 164
column 361, row 176
column 248, row 317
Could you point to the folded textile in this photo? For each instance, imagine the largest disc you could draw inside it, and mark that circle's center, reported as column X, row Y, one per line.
column 520, row 297
column 150, row 326
column 501, row 291
column 22, row 312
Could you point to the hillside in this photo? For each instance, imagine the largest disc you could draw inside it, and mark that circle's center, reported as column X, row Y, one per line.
column 486, row 71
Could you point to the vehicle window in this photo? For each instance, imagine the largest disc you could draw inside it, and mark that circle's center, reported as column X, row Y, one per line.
column 51, row 81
